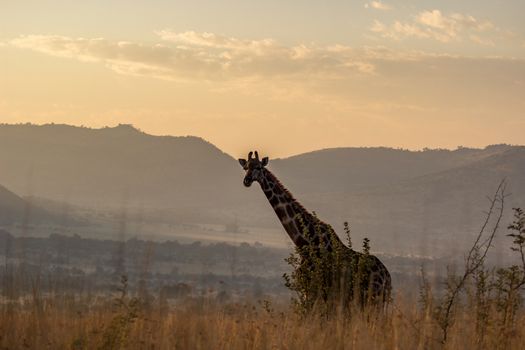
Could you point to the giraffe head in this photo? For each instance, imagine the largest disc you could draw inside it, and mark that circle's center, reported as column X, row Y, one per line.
column 253, row 167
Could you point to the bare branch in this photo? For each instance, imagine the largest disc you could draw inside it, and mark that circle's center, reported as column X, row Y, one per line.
column 476, row 255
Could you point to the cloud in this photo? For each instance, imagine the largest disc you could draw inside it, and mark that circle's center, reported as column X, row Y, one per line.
column 454, row 24
column 211, row 40
column 192, row 55
column 378, row 5
column 481, row 41
column 333, row 75
column 123, row 57
column 438, row 26
column 366, row 94
column 398, row 30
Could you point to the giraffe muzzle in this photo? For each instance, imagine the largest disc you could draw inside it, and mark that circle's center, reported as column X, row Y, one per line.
column 247, row 182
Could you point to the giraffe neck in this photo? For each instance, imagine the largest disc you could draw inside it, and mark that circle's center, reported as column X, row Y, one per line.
column 293, row 216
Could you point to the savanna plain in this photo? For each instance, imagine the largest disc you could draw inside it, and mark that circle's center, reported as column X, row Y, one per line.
column 206, row 270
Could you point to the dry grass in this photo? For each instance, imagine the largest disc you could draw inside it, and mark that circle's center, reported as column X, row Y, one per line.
column 69, row 324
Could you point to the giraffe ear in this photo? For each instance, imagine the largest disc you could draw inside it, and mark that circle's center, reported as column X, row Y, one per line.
column 264, row 161
column 242, row 162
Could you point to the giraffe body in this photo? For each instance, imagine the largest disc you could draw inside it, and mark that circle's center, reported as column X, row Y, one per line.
column 305, row 229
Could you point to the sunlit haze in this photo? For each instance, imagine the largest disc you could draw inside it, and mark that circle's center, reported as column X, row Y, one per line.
column 283, row 77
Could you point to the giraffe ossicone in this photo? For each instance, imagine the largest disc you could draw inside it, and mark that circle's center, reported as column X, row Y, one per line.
column 304, row 228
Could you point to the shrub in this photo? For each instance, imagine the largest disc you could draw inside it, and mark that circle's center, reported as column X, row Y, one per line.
column 329, row 280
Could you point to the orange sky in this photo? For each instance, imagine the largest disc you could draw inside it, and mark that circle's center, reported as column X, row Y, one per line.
column 280, row 78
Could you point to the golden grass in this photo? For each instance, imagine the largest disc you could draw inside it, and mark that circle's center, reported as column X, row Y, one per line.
column 59, row 324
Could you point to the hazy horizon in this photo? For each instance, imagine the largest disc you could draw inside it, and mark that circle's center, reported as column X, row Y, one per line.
column 254, row 147
column 160, row 180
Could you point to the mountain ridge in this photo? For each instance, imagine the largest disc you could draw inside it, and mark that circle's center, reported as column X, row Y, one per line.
column 188, row 179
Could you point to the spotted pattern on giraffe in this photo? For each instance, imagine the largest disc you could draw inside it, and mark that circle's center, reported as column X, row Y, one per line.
column 305, row 228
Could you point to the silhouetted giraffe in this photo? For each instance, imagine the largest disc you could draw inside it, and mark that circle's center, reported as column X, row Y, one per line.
column 305, row 228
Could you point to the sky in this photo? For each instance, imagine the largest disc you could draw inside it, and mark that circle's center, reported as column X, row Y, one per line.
column 283, row 77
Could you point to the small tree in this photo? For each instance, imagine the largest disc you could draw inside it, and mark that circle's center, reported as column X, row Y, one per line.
column 324, row 280
column 127, row 311
column 511, row 280
column 494, row 294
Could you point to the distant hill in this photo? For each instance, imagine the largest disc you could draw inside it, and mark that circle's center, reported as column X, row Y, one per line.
column 351, row 168
column 415, row 201
column 16, row 209
column 402, row 199
column 113, row 167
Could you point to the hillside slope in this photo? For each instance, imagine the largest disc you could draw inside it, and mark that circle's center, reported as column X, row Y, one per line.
column 115, row 167
column 403, row 200
column 426, row 212
column 16, row 209
column 347, row 169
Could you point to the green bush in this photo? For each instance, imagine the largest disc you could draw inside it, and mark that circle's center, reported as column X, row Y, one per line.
column 329, row 280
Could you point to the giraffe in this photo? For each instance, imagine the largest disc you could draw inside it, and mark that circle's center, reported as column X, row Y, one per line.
column 304, row 228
